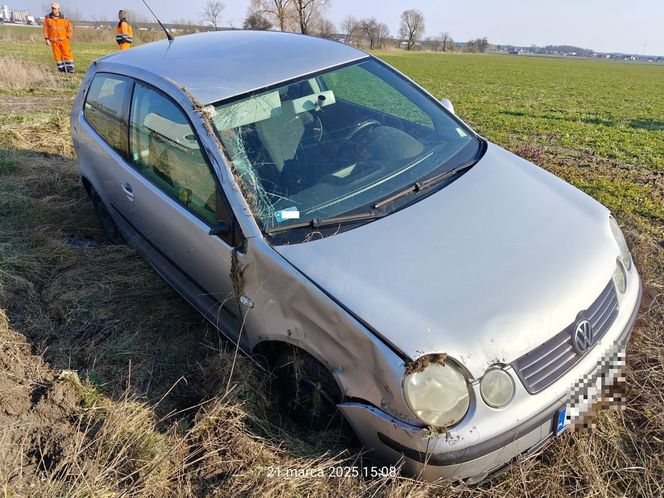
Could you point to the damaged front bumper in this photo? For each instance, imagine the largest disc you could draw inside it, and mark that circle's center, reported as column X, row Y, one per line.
column 419, row 453
column 469, row 456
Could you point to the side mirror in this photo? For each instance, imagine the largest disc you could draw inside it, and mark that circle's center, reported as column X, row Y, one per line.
column 220, row 228
column 448, row 105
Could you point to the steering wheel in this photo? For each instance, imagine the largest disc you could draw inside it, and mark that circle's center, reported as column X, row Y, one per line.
column 358, row 130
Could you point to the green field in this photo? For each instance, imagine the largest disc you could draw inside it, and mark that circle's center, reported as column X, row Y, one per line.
column 149, row 412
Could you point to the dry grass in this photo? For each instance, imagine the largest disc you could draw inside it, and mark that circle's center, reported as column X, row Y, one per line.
column 85, row 34
column 18, row 74
column 150, row 416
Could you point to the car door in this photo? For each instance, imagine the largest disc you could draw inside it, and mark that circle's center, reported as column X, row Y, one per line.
column 175, row 200
column 167, row 198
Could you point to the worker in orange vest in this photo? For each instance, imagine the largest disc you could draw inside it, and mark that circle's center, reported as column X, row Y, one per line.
column 58, row 32
column 125, row 33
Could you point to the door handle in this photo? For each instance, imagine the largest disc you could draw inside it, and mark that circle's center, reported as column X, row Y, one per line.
column 126, row 188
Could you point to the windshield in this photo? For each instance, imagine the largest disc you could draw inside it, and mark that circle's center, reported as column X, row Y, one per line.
column 337, row 143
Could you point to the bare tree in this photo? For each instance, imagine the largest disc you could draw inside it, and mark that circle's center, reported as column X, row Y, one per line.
column 349, row 26
column 412, row 27
column 326, row 29
column 257, row 21
column 369, row 27
column 444, row 40
column 382, row 33
column 308, row 13
column 212, row 13
column 478, row 45
column 278, row 12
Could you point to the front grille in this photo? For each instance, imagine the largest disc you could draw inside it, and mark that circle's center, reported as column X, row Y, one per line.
column 545, row 364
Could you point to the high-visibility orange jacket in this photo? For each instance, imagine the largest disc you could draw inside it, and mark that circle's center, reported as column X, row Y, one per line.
column 125, row 35
column 57, row 28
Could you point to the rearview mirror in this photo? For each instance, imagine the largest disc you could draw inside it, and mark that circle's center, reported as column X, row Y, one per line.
column 448, row 105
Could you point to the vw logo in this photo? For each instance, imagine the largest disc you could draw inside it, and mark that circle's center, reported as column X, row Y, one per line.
column 583, row 336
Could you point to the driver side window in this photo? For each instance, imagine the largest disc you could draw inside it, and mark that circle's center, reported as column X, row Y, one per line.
column 165, row 149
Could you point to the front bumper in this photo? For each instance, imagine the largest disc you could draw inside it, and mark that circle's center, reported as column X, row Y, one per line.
column 430, row 456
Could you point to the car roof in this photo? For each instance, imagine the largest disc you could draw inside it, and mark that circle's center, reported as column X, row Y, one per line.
column 217, row 65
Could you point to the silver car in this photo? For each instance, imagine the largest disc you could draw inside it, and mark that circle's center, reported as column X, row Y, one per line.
column 458, row 305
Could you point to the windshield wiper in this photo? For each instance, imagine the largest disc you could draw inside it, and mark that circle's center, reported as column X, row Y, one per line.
column 416, row 187
column 327, row 222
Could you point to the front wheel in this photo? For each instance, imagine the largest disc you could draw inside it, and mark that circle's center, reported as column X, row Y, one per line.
column 307, row 392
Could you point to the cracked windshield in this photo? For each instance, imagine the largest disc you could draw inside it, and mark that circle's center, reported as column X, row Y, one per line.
column 338, row 144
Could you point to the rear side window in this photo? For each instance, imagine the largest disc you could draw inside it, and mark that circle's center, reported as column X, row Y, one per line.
column 166, row 150
column 106, row 110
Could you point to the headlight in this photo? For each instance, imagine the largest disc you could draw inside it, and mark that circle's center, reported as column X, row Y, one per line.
column 438, row 393
column 625, row 255
column 619, row 277
column 497, row 387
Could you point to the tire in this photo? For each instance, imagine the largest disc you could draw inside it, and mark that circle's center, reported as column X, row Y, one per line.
column 107, row 223
column 307, row 392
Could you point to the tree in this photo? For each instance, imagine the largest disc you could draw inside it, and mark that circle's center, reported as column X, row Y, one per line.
column 382, row 34
column 444, row 40
column 478, row 45
column 256, row 21
column 349, row 26
column 308, row 13
column 412, row 27
column 212, row 13
column 326, row 29
column 369, row 27
column 279, row 12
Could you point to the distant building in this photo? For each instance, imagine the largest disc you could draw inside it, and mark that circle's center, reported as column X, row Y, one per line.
column 16, row 16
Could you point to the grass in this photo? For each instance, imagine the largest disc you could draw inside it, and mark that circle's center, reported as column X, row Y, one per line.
column 147, row 412
column 597, row 124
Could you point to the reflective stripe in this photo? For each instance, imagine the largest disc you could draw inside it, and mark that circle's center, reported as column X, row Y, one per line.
column 55, row 39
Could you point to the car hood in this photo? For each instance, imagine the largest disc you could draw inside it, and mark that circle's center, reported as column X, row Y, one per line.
column 484, row 270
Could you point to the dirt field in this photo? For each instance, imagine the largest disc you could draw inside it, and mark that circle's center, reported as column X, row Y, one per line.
column 112, row 385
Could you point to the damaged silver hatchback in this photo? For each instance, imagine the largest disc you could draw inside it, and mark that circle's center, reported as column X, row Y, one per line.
column 458, row 305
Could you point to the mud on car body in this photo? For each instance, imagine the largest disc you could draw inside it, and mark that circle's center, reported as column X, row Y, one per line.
column 338, row 222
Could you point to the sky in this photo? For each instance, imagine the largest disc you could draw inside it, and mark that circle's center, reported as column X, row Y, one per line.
column 633, row 26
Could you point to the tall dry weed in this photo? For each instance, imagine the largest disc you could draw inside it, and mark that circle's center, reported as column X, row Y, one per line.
column 19, row 74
